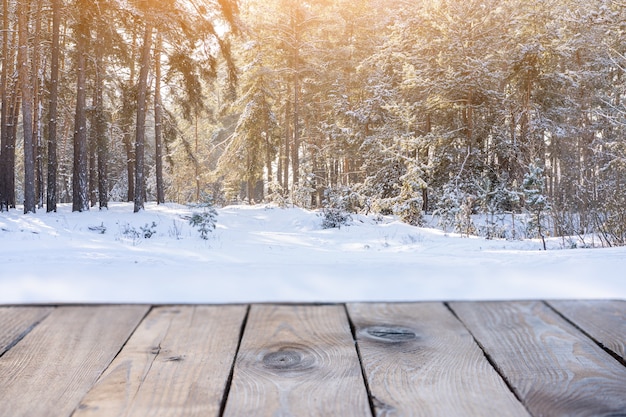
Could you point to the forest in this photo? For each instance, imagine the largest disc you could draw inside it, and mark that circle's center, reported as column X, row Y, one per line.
column 446, row 108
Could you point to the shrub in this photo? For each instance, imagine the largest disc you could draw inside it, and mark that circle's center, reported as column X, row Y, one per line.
column 335, row 218
column 148, row 230
column 334, row 213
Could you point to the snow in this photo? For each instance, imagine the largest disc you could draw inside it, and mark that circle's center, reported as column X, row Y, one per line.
column 271, row 254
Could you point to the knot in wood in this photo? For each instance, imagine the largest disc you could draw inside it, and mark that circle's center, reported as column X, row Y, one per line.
column 288, row 359
column 390, row 333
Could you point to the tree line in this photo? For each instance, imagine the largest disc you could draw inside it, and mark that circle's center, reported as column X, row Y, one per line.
column 79, row 79
column 444, row 107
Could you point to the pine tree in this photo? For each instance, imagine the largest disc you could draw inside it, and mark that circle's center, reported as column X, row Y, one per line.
column 252, row 146
column 27, row 102
column 51, row 200
column 80, row 178
column 535, row 202
column 10, row 107
column 140, row 129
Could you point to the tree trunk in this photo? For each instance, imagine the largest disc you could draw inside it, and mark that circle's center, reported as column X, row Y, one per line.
column 425, row 161
column 250, row 189
column 80, row 186
column 129, row 100
column 102, row 143
column 127, row 111
column 140, row 133
column 91, row 145
column 268, row 156
column 10, row 112
column 13, row 117
column 295, row 157
column 158, row 123
column 27, row 111
column 196, row 159
column 285, row 155
column 38, row 109
column 4, row 180
column 51, row 202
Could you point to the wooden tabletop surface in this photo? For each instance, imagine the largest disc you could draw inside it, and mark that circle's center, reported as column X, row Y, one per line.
column 508, row 358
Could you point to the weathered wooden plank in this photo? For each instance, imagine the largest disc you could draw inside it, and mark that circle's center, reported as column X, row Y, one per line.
column 605, row 321
column 176, row 363
column 297, row 361
column 420, row 360
column 50, row 370
column 554, row 368
column 16, row 322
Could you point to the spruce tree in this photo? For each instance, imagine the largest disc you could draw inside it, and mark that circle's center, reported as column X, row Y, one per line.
column 535, row 202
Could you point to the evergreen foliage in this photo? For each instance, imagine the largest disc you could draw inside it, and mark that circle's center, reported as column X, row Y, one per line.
column 448, row 108
column 204, row 217
column 335, row 211
column 535, row 202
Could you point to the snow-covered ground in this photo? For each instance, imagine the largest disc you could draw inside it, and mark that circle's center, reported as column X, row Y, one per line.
column 263, row 253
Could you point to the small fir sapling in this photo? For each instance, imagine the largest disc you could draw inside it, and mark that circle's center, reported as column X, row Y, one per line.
column 334, row 213
column 448, row 207
column 534, row 201
column 204, row 217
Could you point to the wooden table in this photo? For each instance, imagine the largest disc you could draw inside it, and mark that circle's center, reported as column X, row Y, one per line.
column 538, row 358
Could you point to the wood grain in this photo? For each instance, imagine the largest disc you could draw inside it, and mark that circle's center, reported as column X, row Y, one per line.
column 421, row 361
column 49, row 371
column 297, row 361
column 176, row 363
column 17, row 322
column 554, row 368
column 605, row 321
